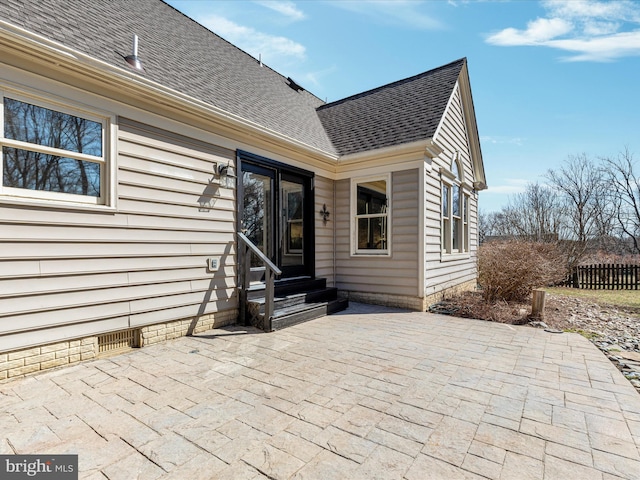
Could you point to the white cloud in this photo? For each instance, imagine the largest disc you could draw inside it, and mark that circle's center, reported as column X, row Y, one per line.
column 588, row 9
column 511, row 186
column 538, row 31
column 502, row 140
column 314, row 78
column 288, row 9
column 601, row 49
column 589, row 30
column 404, row 12
column 273, row 49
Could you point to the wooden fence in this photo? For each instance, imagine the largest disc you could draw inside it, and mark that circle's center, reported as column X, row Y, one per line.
column 608, row 276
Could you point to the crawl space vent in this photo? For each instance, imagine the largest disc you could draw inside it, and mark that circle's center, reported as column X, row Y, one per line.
column 117, row 342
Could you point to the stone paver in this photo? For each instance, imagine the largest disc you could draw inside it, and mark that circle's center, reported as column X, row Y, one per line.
column 371, row 393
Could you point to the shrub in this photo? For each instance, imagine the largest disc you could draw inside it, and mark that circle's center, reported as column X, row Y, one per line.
column 511, row 270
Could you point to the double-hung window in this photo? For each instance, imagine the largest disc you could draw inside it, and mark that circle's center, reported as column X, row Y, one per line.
column 370, row 213
column 51, row 152
column 455, row 210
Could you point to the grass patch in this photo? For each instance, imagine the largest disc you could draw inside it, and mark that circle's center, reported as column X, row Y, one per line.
column 585, row 333
column 619, row 298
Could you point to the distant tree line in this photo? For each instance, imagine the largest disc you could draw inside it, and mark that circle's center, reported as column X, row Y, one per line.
column 584, row 206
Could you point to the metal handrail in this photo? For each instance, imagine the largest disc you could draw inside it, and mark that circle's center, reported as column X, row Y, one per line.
column 245, row 279
column 263, row 258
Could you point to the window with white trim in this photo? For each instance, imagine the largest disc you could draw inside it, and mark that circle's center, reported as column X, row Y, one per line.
column 370, row 214
column 52, row 152
column 455, row 210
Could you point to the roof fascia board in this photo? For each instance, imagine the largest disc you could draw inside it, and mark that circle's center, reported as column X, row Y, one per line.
column 425, row 147
column 61, row 57
column 378, row 168
column 480, row 181
column 390, row 159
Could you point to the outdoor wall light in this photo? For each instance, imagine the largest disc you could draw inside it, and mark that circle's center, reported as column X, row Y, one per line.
column 222, row 172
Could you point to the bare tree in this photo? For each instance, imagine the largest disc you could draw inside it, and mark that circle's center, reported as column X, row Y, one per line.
column 624, row 192
column 580, row 184
column 536, row 213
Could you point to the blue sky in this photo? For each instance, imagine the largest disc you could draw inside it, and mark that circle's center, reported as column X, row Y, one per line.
column 550, row 79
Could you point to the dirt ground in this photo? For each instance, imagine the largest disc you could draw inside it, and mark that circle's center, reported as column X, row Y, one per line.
column 594, row 320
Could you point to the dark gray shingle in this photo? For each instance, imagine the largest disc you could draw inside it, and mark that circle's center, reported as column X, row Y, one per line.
column 181, row 54
column 178, row 53
column 401, row 112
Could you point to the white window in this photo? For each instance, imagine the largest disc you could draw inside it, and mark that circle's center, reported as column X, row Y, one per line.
column 370, row 214
column 455, row 210
column 52, row 152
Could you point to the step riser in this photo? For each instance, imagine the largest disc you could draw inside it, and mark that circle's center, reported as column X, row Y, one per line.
column 285, row 288
column 321, row 311
column 325, row 295
column 290, row 320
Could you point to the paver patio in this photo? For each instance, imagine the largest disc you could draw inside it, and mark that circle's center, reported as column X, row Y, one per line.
column 370, row 393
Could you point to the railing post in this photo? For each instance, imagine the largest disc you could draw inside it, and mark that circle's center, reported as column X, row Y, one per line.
column 246, row 267
column 245, row 280
column 242, row 282
column 268, row 300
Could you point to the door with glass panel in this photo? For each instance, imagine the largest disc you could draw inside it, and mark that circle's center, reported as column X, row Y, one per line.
column 292, row 224
column 258, row 204
column 276, row 215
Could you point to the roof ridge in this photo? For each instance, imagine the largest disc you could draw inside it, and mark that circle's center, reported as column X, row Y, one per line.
column 285, row 78
column 462, row 60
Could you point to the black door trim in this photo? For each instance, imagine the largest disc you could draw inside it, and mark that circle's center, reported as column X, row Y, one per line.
column 282, row 169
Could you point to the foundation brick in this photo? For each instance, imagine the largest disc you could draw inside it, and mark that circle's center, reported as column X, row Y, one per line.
column 24, row 362
column 405, row 301
column 40, row 358
column 399, row 301
column 12, row 364
column 30, row 352
column 449, row 292
column 56, row 347
column 54, row 363
column 67, row 352
column 16, row 372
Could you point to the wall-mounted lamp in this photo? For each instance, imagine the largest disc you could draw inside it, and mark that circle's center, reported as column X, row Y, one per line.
column 324, row 213
column 133, row 59
column 222, row 172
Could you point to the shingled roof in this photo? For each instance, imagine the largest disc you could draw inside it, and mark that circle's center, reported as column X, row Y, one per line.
column 181, row 54
column 401, row 112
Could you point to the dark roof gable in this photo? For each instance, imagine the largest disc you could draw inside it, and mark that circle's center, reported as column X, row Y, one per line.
column 397, row 113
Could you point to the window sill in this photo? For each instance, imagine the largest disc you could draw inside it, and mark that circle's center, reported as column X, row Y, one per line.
column 451, row 257
column 371, row 254
column 57, row 204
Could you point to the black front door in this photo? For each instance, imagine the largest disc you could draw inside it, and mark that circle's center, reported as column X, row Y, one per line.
column 276, row 214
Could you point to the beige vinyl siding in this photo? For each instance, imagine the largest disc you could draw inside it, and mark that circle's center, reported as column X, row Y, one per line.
column 323, row 195
column 398, row 273
column 69, row 273
column 443, row 271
